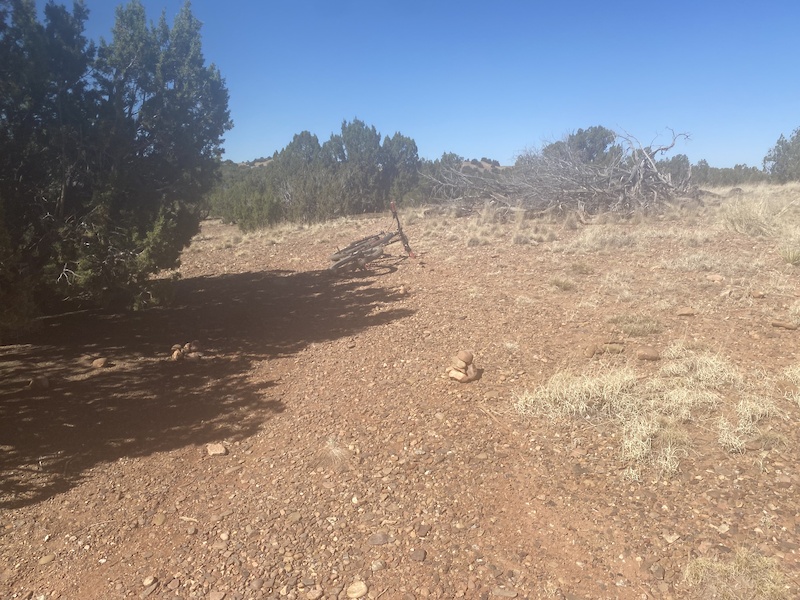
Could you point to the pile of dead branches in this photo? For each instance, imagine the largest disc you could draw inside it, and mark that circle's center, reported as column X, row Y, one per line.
column 625, row 179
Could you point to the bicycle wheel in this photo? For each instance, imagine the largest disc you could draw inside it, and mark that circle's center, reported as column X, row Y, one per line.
column 357, row 260
column 362, row 244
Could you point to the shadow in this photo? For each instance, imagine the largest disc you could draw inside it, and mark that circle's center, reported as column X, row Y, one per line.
column 60, row 416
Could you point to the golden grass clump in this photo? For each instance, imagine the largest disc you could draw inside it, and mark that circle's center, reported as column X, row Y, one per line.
column 748, row 574
column 636, row 325
column 569, row 395
column 652, row 413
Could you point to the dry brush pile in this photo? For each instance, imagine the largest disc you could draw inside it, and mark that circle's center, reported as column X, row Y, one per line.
column 625, row 178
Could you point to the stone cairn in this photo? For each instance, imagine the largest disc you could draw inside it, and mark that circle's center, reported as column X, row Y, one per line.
column 189, row 351
column 462, row 369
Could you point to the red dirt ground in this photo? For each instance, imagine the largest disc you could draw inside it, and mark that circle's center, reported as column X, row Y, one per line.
column 354, row 467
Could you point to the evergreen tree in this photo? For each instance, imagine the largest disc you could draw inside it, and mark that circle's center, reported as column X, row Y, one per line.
column 104, row 153
column 783, row 160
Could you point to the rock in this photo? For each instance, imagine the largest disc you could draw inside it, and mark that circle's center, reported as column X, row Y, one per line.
column 159, row 519
column 195, row 346
column 148, row 590
column 459, row 365
column 195, row 356
column 216, row 596
column 590, row 351
column 216, row 450
column 47, row 559
column 501, row 592
column 784, row 325
column 148, row 581
column 100, row 363
column 670, row 538
column 465, row 356
column 418, row 555
column 177, row 354
column 378, row 539
column 472, row 372
column 685, row 312
column 758, row 294
column 358, row 589
column 658, row 571
column 715, row 278
column 457, row 375
column 315, row 594
column 377, row 565
column 423, row 530
column 647, row 353
column 176, row 347
column 257, row 584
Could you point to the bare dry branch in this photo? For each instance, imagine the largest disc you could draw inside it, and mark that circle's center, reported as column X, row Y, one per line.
column 625, row 179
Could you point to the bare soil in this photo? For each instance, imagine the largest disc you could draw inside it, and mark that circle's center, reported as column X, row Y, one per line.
column 354, row 466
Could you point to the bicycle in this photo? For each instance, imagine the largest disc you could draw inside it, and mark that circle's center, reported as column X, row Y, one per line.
column 363, row 251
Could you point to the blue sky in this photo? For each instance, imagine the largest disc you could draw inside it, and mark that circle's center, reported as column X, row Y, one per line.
column 494, row 78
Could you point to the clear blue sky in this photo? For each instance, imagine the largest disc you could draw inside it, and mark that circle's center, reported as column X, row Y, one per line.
column 494, row 78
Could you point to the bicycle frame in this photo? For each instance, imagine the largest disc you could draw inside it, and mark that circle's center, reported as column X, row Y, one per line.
column 370, row 248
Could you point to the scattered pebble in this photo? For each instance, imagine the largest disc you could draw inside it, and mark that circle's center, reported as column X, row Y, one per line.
column 356, row 590
column 216, row 450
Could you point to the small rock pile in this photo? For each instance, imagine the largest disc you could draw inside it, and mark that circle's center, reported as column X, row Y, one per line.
column 189, row 351
column 462, row 369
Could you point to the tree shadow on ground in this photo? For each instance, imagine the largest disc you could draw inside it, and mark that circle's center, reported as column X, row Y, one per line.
column 74, row 416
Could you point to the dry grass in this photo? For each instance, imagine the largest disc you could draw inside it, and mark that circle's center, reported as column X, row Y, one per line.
column 652, row 413
column 698, row 368
column 570, row 395
column 333, row 456
column 618, row 284
column 565, row 285
column 600, row 238
column 697, row 262
column 750, row 217
column 747, row 575
column 763, row 211
column 790, row 252
column 581, row 268
column 636, row 325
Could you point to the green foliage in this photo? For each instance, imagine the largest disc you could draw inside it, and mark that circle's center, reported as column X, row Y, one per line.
column 16, row 291
column 677, row 168
column 593, row 145
column 782, row 162
column 105, row 152
column 705, row 175
column 353, row 172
